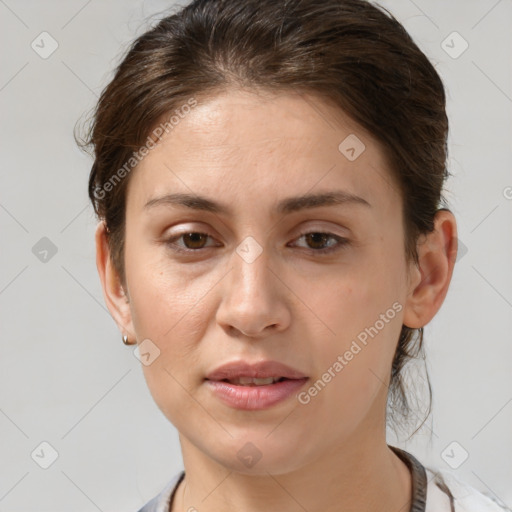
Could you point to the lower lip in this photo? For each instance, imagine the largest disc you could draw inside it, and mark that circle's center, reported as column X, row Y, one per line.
column 254, row 398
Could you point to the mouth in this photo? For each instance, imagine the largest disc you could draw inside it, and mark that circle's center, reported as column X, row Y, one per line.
column 255, row 394
column 255, row 386
column 258, row 373
column 252, row 381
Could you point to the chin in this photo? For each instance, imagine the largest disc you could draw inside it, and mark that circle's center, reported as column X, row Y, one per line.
column 259, row 456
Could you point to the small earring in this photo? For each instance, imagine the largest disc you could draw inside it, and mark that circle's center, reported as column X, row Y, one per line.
column 126, row 341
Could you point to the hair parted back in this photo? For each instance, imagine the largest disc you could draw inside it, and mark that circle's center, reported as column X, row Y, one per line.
column 351, row 53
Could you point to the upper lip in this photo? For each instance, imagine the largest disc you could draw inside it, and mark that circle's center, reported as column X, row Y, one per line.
column 258, row 370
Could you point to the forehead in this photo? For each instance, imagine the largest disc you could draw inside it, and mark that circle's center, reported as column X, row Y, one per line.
column 241, row 143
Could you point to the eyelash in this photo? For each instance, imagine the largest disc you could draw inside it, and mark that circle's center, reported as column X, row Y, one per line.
column 341, row 242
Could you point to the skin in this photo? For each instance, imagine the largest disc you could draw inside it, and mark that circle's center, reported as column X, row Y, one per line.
column 291, row 304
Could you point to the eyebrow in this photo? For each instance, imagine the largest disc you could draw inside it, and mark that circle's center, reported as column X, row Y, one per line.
column 285, row 206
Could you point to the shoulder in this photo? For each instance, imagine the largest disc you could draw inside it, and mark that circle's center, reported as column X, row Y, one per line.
column 160, row 502
column 447, row 492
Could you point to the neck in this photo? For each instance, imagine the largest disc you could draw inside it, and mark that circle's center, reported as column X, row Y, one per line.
column 357, row 475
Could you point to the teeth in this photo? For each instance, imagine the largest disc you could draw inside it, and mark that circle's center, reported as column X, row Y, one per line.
column 249, row 381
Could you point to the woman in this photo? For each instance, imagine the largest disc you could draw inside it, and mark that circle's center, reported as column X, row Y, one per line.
column 268, row 177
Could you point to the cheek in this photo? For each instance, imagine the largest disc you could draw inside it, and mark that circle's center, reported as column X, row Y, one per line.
column 353, row 300
column 352, row 376
column 165, row 298
column 173, row 318
column 170, row 308
column 361, row 308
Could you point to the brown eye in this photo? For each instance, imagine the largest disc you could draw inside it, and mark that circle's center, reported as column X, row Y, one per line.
column 317, row 240
column 191, row 241
column 194, row 240
column 323, row 243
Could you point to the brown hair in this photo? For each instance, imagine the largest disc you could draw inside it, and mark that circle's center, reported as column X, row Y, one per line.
column 351, row 53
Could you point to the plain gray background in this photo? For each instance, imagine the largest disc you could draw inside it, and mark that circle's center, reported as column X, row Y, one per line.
column 66, row 378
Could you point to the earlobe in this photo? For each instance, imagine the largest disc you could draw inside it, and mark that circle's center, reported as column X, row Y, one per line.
column 115, row 297
column 437, row 252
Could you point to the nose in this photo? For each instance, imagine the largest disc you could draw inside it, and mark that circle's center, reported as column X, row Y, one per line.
column 254, row 299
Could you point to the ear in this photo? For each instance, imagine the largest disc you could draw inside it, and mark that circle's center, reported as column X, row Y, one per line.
column 115, row 297
column 429, row 281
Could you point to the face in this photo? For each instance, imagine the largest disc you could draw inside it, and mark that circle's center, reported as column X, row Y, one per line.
column 259, row 273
